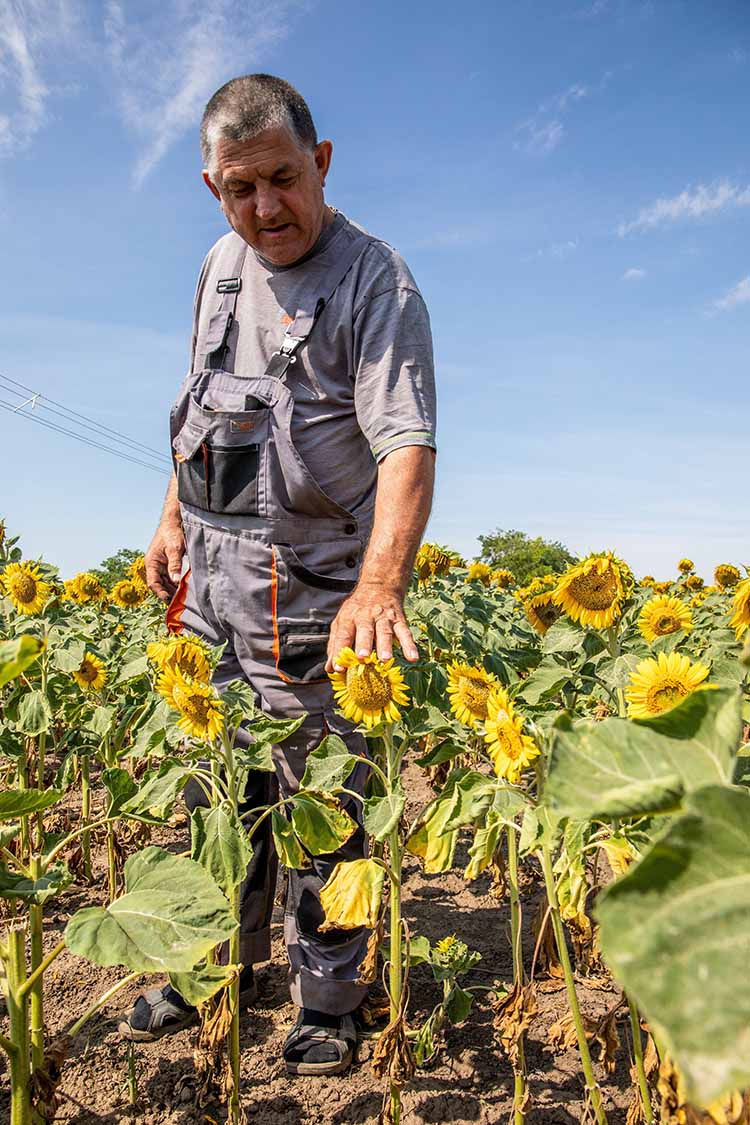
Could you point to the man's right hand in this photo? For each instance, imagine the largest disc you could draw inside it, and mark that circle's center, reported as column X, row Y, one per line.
column 164, row 559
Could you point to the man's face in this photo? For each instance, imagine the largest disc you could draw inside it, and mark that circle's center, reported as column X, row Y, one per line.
column 271, row 191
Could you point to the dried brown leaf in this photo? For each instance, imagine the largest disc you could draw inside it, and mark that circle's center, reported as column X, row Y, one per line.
column 368, row 969
column 46, row 1079
column 513, row 1015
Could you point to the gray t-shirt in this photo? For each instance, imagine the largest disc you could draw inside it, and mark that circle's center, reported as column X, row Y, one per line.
column 363, row 384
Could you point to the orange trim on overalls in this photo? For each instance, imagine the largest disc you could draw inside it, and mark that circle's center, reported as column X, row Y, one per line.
column 176, row 607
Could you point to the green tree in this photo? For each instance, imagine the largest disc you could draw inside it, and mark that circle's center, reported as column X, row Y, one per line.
column 115, row 567
column 527, row 558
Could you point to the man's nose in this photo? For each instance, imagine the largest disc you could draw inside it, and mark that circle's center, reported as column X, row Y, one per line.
column 266, row 202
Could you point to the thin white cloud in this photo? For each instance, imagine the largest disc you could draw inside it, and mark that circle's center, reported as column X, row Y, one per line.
column 693, row 203
column 739, row 294
column 32, row 33
column 540, row 137
column 634, row 274
column 168, row 59
column 544, row 131
column 554, row 250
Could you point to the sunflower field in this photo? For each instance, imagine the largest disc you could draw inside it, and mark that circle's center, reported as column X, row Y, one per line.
column 579, row 743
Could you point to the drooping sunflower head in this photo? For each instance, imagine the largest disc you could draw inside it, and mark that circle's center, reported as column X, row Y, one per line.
column 137, row 570
column 594, row 592
column 663, row 615
column 694, row 582
column 659, row 685
column 199, row 706
column 369, row 690
column 740, row 619
column 647, row 581
column 128, row 593
column 23, row 584
column 726, row 576
column 686, row 566
column 86, row 587
column 91, row 675
column 480, row 572
column 185, row 652
column 469, row 687
column 432, row 562
column 2, row 532
column 509, row 748
column 661, row 587
column 542, row 611
column 503, row 578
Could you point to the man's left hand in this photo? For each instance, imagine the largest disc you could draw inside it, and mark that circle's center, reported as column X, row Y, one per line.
column 369, row 620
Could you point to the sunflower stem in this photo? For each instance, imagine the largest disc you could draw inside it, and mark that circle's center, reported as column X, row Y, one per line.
column 592, row 1086
column 18, row 1016
column 635, row 1027
column 37, row 988
column 519, row 1070
column 395, row 978
column 85, row 816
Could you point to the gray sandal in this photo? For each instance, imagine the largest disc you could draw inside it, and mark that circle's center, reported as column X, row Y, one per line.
column 162, row 1011
column 320, row 1044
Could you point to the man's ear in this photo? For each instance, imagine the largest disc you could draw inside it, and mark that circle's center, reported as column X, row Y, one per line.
column 211, row 185
column 322, row 156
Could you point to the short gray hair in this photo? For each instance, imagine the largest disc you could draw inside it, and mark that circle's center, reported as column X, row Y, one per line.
column 245, row 106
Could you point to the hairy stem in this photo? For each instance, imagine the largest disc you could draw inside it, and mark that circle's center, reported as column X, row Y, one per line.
column 635, row 1027
column 519, row 1076
column 18, row 1015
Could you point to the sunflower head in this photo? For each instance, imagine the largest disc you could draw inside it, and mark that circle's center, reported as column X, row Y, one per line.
column 86, row 587
column 469, row 687
column 368, row 690
column 663, row 615
column 91, row 675
column 686, row 566
column 503, row 578
column 480, row 572
column 659, row 685
column 726, row 576
column 694, row 582
column 661, row 587
column 23, row 584
column 740, row 619
column 200, row 708
column 509, row 748
column 184, row 652
column 647, row 581
column 2, row 532
column 137, row 570
column 128, row 593
column 594, row 592
column 432, row 562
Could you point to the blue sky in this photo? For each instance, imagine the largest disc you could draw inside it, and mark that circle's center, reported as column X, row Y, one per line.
column 569, row 181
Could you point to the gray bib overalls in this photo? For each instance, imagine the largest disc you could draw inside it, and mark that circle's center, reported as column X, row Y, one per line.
column 271, row 559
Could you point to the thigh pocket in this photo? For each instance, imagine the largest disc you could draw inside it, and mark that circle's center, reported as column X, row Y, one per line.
column 304, row 603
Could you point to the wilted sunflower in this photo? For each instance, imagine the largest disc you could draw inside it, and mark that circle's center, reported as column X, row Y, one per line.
column 91, row 675
column 694, row 582
column 480, row 572
column 200, row 708
column 594, row 591
column 662, row 587
column 659, row 685
column 128, row 593
column 368, row 690
column 647, row 580
column 137, row 570
column 698, row 599
column 432, row 562
column 468, row 690
column 509, row 748
column 686, row 566
column 23, row 584
column 740, row 620
column 726, row 576
column 86, row 587
column 663, row 615
column 185, row 652
column 536, row 599
column 503, row 578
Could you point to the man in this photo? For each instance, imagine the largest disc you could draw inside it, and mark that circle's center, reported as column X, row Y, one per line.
column 303, row 440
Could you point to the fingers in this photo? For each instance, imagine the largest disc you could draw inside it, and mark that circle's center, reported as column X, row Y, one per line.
column 175, row 549
column 157, row 576
column 384, row 638
column 364, row 637
column 406, row 640
column 343, row 632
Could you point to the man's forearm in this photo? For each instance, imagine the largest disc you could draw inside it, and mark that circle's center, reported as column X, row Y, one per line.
column 171, row 510
column 406, row 480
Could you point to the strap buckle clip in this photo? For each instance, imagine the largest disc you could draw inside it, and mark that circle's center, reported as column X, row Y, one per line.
column 290, row 345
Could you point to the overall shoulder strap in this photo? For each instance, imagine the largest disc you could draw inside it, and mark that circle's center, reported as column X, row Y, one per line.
column 299, row 330
column 216, row 339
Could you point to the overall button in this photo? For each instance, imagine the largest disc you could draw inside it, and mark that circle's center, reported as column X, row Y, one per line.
column 351, row 562
column 350, row 528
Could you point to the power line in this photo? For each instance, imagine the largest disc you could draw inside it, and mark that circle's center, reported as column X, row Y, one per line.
column 79, row 437
column 72, row 416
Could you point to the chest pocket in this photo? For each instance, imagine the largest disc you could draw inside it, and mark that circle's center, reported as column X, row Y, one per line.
column 221, row 476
